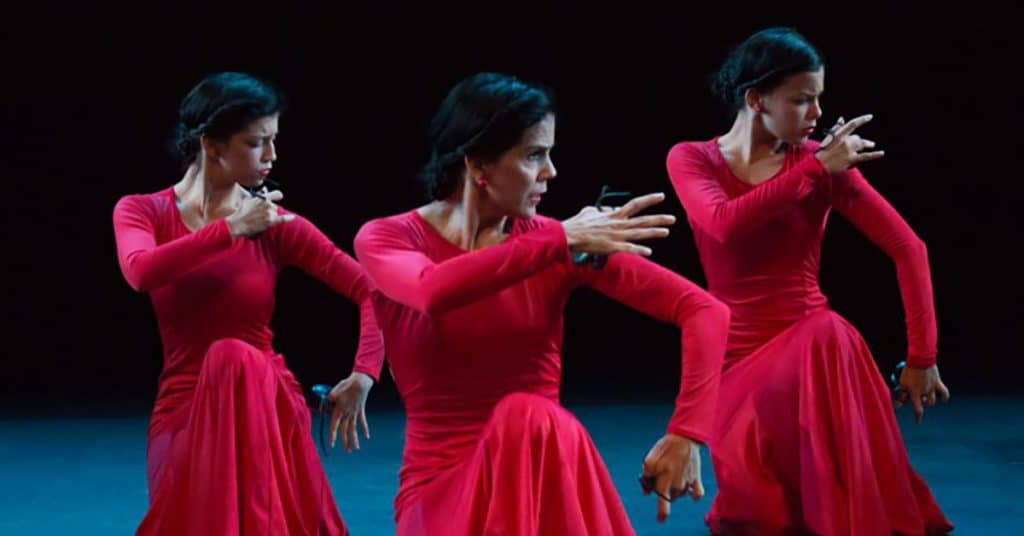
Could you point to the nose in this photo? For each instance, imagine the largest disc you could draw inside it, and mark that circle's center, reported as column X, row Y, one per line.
column 269, row 152
column 815, row 111
column 548, row 172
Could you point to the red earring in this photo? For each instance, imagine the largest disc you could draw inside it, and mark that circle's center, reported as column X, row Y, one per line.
column 481, row 182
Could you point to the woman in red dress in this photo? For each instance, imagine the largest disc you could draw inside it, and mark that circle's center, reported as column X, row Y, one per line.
column 471, row 290
column 805, row 438
column 230, row 450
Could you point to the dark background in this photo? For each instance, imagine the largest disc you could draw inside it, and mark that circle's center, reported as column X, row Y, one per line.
column 91, row 98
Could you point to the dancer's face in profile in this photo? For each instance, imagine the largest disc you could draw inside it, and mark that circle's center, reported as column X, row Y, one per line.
column 518, row 178
column 247, row 156
column 791, row 111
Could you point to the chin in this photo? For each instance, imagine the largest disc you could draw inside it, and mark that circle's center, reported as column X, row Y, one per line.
column 526, row 212
column 250, row 183
column 796, row 140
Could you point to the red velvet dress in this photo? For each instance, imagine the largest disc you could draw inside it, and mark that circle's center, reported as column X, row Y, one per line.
column 805, row 436
column 230, row 450
column 474, row 343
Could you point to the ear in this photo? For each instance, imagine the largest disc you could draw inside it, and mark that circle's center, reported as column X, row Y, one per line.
column 212, row 148
column 474, row 168
column 754, row 100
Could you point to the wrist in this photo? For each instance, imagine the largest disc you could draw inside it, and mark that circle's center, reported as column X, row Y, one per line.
column 363, row 379
column 570, row 238
column 676, row 427
column 921, row 362
column 680, row 437
column 821, row 164
column 234, row 227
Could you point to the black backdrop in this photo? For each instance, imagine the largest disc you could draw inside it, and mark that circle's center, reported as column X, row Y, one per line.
column 92, row 96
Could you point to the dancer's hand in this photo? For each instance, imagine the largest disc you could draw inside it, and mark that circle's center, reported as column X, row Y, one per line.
column 255, row 214
column 919, row 386
column 349, row 399
column 602, row 232
column 674, row 462
column 831, row 134
column 842, row 149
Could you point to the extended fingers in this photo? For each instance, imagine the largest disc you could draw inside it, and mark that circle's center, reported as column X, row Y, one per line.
column 915, row 399
column 653, row 220
column 663, row 487
column 853, row 125
column 639, row 204
column 352, row 432
column 696, row 490
column 866, row 157
column 335, row 423
column 364, row 424
column 276, row 218
column 641, row 233
column 629, row 247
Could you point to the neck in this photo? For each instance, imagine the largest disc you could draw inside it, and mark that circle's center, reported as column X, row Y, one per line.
column 209, row 197
column 466, row 219
column 748, row 140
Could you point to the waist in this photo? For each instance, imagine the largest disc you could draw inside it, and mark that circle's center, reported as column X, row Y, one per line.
column 749, row 330
column 770, row 305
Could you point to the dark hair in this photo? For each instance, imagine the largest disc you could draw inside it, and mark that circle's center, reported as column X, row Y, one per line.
column 763, row 62
column 482, row 117
column 221, row 105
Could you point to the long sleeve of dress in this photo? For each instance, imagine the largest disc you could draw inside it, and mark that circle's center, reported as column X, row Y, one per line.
column 856, row 200
column 299, row 243
column 144, row 264
column 405, row 274
column 704, row 321
column 694, row 180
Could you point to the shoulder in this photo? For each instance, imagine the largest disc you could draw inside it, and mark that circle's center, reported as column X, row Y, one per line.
column 400, row 226
column 405, row 220
column 144, row 205
column 693, row 147
column 692, row 152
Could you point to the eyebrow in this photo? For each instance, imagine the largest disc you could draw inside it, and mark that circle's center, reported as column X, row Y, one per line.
column 532, row 148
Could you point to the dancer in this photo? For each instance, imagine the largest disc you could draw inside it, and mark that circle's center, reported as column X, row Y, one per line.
column 805, row 437
column 229, row 448
column 471, row 289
